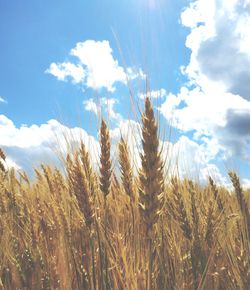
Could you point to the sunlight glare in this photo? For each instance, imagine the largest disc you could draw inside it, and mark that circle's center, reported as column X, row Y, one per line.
column 151, row 4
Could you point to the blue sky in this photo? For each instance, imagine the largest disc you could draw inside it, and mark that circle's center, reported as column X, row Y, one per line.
column 62, row 62
column 36, row 33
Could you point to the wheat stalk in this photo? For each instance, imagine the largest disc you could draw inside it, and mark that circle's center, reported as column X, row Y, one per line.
column 151, row 186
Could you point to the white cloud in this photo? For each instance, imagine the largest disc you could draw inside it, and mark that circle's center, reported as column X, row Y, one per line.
column 28, row 146
column 154, row 94
column 11, row 164
column 101, row 67
column 134, row 73
column 101, row 106
column 188, row 159
column 96, row 68
column 171, row 103
column 130, row 131
column 185, row 158
column 8, row 163
column 2, row 100
column 203, row 110
column 109, row 104
column 66, row 70
column 246, row 183
column 91, row 106
column 215, row 105
column 219, row 43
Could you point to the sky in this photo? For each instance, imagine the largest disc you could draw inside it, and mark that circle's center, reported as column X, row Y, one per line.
column 65, row 63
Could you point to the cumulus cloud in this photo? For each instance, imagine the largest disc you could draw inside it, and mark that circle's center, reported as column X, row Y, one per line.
column 236, row 134
column 28, row 146
column 101, row 68
column 188, row 159
column 238, row 122
column 130, row 131
column 96, row 67
column 202, row 111
column 184, row 158
column 219, row 43
column 215, row 103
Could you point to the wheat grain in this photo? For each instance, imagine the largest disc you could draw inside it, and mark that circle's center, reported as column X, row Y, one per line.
column 105, row 162
column 151, row 174
column 126, row 169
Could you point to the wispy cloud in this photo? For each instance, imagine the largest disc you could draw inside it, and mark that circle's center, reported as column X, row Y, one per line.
column 154, row 94
column 91, row 106
column 2, row 100
column 103, row 105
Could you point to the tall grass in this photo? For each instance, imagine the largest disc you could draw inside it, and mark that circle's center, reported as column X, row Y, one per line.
column 90, row 229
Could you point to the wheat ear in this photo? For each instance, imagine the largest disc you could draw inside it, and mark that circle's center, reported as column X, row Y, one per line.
column 2, row 160
column 151, row 174
column 81, row 189
column 105, row 162
column 126, row 169
column 241, row 201
column 182, row 216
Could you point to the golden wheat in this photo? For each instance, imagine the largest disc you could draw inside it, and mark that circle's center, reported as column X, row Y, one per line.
column 55, row 232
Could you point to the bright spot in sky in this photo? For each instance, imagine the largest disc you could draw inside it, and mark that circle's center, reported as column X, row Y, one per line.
column 151, row 4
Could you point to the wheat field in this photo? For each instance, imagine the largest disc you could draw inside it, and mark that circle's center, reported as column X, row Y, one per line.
column 96, row 229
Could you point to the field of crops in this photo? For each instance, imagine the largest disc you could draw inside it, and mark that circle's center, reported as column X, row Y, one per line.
column 99, row 229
